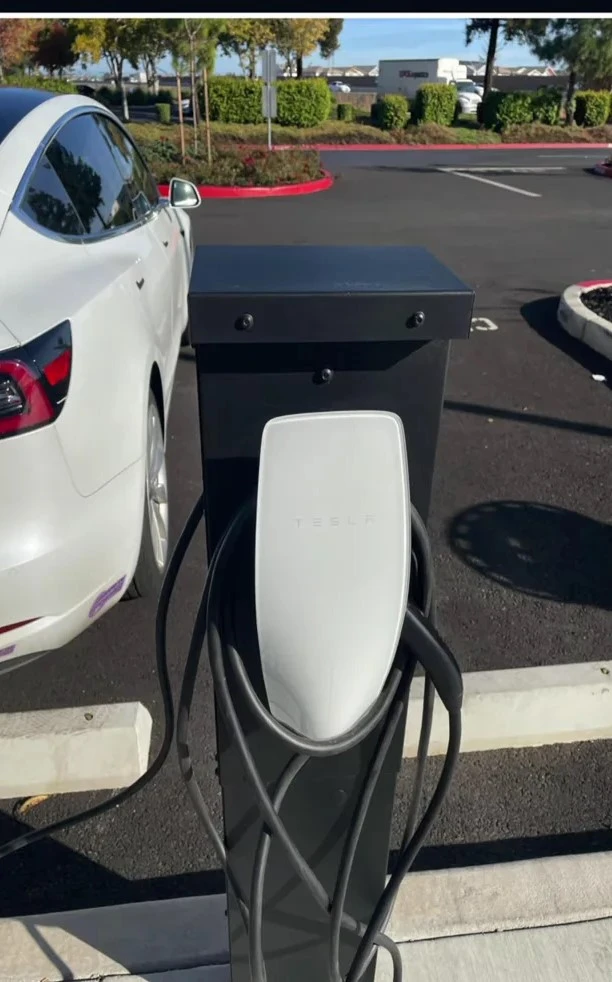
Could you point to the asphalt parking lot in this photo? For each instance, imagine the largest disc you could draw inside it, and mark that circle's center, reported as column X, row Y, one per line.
column 520, row 521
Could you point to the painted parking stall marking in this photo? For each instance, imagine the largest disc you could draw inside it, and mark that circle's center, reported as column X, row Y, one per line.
column 483, row 324
column 476, row 174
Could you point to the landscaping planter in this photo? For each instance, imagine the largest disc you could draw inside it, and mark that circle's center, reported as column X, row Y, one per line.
column 277, row 191
column 584, row 312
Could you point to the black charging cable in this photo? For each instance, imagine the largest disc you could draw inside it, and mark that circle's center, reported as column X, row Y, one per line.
column 161, row 627
column 417, row 642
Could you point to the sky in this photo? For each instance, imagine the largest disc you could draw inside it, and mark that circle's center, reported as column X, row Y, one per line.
column 367, row 41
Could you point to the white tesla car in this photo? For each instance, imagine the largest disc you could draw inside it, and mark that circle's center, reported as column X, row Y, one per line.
column 95, row 269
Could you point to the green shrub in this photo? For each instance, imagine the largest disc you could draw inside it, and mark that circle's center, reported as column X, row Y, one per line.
column 236, row 167
column 346, row 112
column 393, row 112
column 303, row 102
column 435, row 103
column 592, row 108
column 503, row 109
column 164, row 112
column 109, row 96
column 333, row 108
column 38, row 82
column 233, row 100
column 546, row 106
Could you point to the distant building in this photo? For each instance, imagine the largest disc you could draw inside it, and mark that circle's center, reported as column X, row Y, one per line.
column 476, row 69
column 335, row 71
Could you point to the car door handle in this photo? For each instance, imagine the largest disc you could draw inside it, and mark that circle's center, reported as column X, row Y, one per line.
column 140, row 283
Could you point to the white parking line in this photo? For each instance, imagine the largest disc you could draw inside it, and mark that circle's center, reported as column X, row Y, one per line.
column 485, row 180
column 504, row 169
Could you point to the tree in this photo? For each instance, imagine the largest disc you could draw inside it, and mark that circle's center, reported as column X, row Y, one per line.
column 246, row 38
column 54, row 47
column 582, row 47
column 330, row 42
column 296, row 38
column 479, row 26
column 177, row 46
column 153, row 41
column 208, row 42
column 116, row 40
column 17, row 42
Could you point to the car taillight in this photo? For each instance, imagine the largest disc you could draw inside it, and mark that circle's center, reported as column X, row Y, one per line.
column 34, row 381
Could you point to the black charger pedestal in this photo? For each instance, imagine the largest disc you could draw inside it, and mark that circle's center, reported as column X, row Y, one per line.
column 297, row 329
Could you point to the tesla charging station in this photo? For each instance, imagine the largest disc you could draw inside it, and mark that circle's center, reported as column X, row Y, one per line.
column 319, row 370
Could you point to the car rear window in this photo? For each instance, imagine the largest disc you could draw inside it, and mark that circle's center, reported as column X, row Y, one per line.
column 17, row 103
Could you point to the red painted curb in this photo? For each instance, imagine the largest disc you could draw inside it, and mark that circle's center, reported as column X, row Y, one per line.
column 603, row 169
column 442, row 146
column 280, row 191
column 586, row 284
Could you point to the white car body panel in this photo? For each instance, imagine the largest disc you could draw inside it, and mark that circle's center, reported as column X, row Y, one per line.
column 72, row 492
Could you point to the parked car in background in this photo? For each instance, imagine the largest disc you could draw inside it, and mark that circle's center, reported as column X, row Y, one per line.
column 339, row 87
column 93, row 304
column 468, row 96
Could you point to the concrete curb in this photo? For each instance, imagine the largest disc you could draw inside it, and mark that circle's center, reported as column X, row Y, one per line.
column 88, row 748
column 189, row 935
column 324, row 183
column 575, row 318
column 522, row 707
column 367, row 147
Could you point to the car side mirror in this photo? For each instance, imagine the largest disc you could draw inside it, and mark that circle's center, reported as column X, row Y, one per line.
column 184, row 194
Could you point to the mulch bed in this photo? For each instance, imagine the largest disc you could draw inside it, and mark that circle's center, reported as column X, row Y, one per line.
column 599, row 301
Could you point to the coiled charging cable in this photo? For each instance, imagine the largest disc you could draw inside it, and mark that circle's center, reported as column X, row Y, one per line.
column 419, row 644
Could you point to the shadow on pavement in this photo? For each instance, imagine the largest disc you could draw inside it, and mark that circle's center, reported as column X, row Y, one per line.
column 512, row 850
column 541, row 316
column 537, row 549
column 535, row 419
column 50, row 876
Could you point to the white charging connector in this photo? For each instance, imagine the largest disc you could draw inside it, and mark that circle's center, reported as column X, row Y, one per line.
column 332, row 564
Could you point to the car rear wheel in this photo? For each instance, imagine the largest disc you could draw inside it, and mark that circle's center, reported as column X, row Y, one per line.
column 154, row 543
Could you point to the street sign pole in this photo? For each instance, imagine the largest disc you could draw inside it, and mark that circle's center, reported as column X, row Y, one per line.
column 268, row 61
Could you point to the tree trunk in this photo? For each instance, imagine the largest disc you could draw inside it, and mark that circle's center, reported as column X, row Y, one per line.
column 179, row 95
column 194, row 99
column 124, row 102
column 207, row 116
column 491, row 52
column 569, row 104
column 299, row 66
column 252, row 62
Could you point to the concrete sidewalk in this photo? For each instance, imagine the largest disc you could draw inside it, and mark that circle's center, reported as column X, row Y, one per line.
column 546, row 920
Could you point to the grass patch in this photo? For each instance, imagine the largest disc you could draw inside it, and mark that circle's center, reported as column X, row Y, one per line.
column 540, row 133
column 432, row 133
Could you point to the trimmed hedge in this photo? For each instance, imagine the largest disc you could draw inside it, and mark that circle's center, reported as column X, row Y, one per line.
column 546, row 105
column 502, row 109
column 233, row 100
column 435, row 103
column 58, row 85
column 345, row 112
column 300, row 102
column 591, row 108
column 392, row 112
column 164, row 112
column 303, row 102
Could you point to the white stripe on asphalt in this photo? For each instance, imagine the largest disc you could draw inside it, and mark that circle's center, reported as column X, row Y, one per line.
column 505, row 169
column 571, row 156
column 522, row 707
column 89, row 748
column 485, row 180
